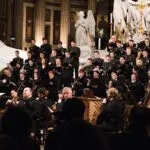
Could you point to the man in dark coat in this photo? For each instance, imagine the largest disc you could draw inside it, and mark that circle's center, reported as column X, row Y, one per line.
column 35, row 50
column 46, row 48
column 17, row 59
column 97, row 85
column 75, row 54
column 60, row 50
column 80, row 83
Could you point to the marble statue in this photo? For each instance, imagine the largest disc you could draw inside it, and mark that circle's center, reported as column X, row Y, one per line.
column 10, row 53
column 91, row 28
column 146, row 18
column 81, row 30
column 133, row 16
column 127, row 16
column 119, row 14
column 85, row 34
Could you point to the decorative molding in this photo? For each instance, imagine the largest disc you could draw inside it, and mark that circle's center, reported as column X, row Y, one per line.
column 79, row 6
column 52, row 4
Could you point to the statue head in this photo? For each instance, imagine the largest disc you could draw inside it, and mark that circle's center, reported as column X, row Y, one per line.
column 81, row 14
column 90, row 13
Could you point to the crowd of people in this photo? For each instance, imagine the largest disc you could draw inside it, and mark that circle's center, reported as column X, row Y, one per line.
column 44, row 91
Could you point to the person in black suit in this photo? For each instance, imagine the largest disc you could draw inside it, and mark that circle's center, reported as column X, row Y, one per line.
column 75, row 54
column 46, row 48
column 16, row 60
column 35, row 50
column 111, row 117
column 97, row 85
column 80, row 83
column 42, row 108
column 60, row 50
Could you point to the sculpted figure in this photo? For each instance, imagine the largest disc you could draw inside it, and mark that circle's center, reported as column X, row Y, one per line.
column 81, row 30
column 146, row 18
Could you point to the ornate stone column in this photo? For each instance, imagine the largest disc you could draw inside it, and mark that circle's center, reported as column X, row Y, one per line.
column 40, row 21
column 18, row 22
column 65, row 22
column 92, row 5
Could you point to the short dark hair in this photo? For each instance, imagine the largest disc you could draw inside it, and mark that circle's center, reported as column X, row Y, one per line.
column 90, row 59
column 44, row 38
column 60, row 42
column 131, row 40
column 73, row 41
column 17, row 51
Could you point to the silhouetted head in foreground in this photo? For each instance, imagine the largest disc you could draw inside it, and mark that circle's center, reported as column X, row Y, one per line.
column 73, row 109
column 16, row 121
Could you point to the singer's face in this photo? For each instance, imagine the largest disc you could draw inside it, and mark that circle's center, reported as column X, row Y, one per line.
column 13, row 93
column 27, row 93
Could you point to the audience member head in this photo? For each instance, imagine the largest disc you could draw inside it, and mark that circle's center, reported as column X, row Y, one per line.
column 73, row 108
column 140, row 117
column 16, row 121
column 80, row 135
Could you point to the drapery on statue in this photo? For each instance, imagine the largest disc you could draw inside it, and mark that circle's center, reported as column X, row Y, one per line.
column 131, row 16
column 119, row 14
column 85, row 29
column 146, row 18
